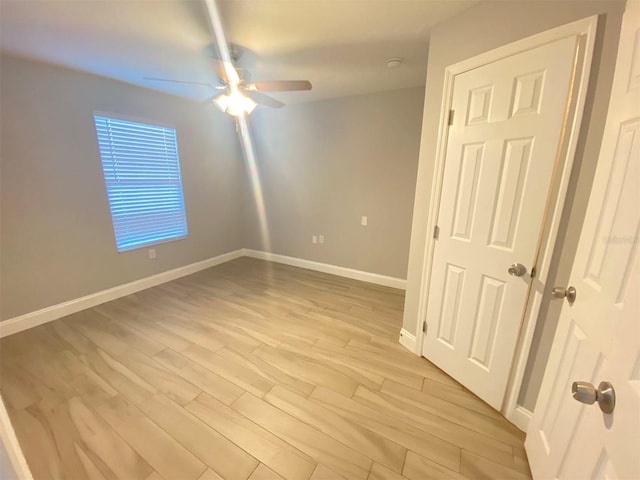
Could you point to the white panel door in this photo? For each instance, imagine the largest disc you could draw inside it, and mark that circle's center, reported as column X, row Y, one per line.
column 598, row 337
column 500, row 158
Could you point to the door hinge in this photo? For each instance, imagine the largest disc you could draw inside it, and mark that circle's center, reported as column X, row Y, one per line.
column 436, row 232
column 450, row 119
column 424, row 326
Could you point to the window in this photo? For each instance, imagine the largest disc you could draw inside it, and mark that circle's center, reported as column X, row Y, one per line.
column 142, row 175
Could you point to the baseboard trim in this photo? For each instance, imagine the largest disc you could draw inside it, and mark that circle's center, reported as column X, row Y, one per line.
column 521, row 418
column 12, row 446
column 408, row 340
column 48, row 314
column 375, row 278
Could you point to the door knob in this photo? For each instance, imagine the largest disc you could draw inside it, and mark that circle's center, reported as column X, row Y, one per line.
column 586, row 393
column 517, row 270
column 561, row 292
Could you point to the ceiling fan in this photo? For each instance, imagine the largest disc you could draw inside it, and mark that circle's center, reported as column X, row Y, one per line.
column 236, row 94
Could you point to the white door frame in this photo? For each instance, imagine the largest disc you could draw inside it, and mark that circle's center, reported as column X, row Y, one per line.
column 585, row 30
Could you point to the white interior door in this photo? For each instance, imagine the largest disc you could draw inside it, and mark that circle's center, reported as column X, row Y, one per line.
column 500, row 157
column 598, row 337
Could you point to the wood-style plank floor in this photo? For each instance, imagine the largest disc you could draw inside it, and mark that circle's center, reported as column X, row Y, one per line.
column 249, row 370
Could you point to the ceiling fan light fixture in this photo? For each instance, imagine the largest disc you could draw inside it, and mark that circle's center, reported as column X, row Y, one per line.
column 249, row 105
column 222, row 102
column 235, row 103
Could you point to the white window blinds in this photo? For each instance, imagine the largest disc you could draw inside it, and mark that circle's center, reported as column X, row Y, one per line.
column 142, row 175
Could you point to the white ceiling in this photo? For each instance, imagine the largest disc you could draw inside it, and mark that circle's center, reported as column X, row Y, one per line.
column 339, row 45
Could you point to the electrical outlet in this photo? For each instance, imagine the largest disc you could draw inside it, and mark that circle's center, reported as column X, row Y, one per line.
column 314, row 239
column 152, row 253
column 364, row 220
column 320, row 238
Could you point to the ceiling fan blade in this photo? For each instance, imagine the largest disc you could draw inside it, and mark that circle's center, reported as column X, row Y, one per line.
column 262, row 99
column 180, row 81
column 280, row 85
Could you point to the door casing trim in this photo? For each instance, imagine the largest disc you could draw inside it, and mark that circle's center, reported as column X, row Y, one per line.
column 585, row 31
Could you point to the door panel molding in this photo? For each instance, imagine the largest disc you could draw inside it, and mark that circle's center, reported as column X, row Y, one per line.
column 524, row 98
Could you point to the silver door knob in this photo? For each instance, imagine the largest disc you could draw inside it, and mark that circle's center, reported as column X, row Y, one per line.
column 517, row 270
column 568, row 293
column 586, row 393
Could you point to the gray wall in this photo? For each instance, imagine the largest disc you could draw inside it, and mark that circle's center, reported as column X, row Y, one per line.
column 56, row 232
column 326, row 164
column 484, row 27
